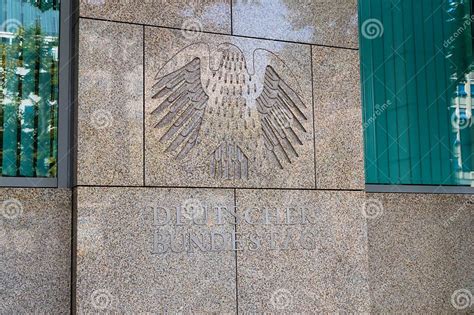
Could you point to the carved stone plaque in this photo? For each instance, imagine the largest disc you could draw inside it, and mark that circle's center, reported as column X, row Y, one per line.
column 226, row 112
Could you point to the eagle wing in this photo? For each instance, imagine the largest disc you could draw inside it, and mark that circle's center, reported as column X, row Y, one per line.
column 281, row 116
column 183, row 109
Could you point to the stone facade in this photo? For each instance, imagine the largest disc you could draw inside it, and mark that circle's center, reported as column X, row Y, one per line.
column 35, row 251
column 220, row 170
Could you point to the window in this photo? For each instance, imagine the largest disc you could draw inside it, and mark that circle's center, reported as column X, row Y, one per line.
column 416, row 63
column 34, row 114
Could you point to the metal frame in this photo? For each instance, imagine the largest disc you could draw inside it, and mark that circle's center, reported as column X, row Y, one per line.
column 66, row 94
column 33, row 182
column 420, row 189
column 65, row 110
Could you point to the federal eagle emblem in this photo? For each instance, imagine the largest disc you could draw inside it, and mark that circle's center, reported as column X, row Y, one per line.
column 244, row 108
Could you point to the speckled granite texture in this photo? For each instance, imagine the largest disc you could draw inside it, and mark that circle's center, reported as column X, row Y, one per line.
column 421, row 251
column 320, row 265
column 120, row 270
column 110, row 104
column 204, row 15
column 253, row 126
column 35, row 251
column 321, row 22
column 338, row 119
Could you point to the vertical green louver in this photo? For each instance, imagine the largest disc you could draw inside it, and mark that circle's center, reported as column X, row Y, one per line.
column 416, row 59
column 28, row 87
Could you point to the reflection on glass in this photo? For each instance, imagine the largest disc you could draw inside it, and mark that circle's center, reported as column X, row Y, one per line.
column 29, row 88
column 462, row 124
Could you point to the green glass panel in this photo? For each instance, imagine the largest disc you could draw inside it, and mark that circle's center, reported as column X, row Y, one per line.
column 415, row 57
column 10, row 105
column 27, row 110
column 44, row 117
column 29, row 87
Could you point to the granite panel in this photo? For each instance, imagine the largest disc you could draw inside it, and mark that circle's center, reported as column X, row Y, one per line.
column 321, row 22
column 200, row 15
column 225, row 111
column 338, row 119
column 126, row 265
column 421, row 249
column 110, row 98
column 311, row 254
column 35, row 257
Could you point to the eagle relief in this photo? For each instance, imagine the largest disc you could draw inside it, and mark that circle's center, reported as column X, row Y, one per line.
column 218, row 108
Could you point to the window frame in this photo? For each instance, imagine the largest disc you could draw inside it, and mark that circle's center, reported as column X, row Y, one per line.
column 65, row 110
column 419, row 189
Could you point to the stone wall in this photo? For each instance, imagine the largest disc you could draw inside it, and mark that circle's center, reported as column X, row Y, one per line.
column 357, row 252
column 35, row 251
column 222, row 171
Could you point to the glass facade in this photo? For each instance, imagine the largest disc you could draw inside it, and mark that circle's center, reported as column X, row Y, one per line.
column 29, row 88
column 416, row 63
